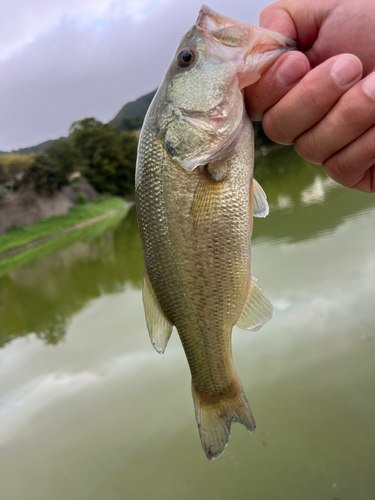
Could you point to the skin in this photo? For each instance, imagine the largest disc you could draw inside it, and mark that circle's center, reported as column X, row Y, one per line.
column 322, row 99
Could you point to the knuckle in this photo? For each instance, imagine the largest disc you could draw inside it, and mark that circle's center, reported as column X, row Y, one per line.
column 333, row 167
column 274, row 126
column 307, row 147
column 338, row 167
column 366, row 148
column 346, row 114
column 309, row 97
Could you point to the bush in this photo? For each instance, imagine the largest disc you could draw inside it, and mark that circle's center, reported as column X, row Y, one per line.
column 44, row 176
column 107, row 158
column 65, row 156
column 13, row 167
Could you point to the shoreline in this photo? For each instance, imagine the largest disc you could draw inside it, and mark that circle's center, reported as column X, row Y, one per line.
column 80, row 225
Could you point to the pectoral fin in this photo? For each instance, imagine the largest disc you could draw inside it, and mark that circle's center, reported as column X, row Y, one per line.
column 159, row 326
column 258, row 309
column 261, row 208
column 251, row 206
column 206, row 201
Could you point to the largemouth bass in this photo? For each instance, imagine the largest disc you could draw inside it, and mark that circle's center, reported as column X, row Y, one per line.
column 196, row 198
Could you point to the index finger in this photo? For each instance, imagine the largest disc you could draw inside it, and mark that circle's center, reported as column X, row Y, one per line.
column 275, row 83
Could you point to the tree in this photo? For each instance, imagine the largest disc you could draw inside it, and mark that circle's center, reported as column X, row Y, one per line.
column 65, row 156
column 128, row 154
column 43, row 175
column 108, row 158
column 85, row 123
column 13, row 166
column 131, row 124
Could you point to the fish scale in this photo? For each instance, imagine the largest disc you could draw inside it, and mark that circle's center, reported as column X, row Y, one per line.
column 194, row 197
column 170, row 263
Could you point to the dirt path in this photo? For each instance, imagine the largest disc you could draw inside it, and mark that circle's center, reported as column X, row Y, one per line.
column 88, row 222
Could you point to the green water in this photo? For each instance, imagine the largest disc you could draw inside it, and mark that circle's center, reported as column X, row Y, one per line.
column 89, row 411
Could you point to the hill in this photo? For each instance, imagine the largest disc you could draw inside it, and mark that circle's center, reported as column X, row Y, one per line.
column 39, row 148
column 133, row 109
column 130, row 118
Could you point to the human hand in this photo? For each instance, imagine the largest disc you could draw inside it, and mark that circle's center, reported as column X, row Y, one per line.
column 328, row 112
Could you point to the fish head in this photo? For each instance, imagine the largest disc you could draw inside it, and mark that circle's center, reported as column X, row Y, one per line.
column 202, row 106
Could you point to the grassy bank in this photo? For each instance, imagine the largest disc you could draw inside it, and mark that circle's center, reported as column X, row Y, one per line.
column 79, row 213
column 86, row 234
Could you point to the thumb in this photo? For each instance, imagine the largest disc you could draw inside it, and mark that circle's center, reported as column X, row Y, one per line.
column 276, row 18
column 300, row 20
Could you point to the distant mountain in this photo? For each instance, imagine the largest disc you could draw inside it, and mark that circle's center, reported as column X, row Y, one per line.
column 130, row 118
column 39, row 148
column 134, row 109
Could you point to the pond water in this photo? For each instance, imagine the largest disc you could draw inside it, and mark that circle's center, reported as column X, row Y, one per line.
column 89, row 411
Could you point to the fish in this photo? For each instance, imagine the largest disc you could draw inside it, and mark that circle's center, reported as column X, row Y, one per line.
column 195, row 199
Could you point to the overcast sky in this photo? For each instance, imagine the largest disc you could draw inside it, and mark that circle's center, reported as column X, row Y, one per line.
column 64, row 60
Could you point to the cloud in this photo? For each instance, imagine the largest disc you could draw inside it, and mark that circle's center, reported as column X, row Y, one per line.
column 32, row 20
column 68, row 59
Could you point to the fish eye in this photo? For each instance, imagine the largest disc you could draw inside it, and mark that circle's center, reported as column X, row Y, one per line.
column 185, row 58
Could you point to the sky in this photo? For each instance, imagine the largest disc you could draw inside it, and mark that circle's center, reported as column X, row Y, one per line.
column 64, row 60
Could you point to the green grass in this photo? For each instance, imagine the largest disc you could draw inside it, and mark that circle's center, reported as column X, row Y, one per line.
column 88, row 233
column 79, row 213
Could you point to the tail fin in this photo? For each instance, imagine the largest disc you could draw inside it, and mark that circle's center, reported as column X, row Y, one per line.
column 214, row 420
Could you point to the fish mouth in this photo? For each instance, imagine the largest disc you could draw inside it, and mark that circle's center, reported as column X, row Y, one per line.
column 234, row 33
column 209, row 19
column 253, row 50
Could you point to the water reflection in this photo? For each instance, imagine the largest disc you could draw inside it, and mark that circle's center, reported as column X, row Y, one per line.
column 40, row 299
column 92, row 410
column 304, row 202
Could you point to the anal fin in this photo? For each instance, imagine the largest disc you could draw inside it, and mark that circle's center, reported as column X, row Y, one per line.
column 258, row 309
column 159, row 326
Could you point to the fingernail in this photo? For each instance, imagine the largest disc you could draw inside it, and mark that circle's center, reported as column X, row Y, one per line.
column 368, row 86
column 290, row 71
column 346, row 69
